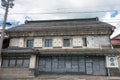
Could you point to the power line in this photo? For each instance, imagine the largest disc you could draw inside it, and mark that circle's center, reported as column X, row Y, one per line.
column 111, row 22
column 110, row 19
column 66, row 12
column 84, row 7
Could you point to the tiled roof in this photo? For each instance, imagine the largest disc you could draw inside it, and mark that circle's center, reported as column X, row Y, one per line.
column 80, row 52
column 117, row 37
column 91, row 24
column 18, row 51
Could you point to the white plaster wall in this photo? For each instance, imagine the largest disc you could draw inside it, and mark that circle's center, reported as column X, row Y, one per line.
column 14, row 42
column 57, row 42
column 92, row 42
column 97, row 41
column 21, row 42
column 119, row 62
column 32, row 62
column 77, row 41
column 38, row 42
column 104, row 40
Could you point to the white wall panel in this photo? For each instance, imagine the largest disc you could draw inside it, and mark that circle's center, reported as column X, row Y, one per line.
column 14, row 42
column 77, row 41
column 21, row 42
column 38, row 42
column 57, row 42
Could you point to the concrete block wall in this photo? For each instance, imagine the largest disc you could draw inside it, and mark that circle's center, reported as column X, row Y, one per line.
column 15, row 73
column 114, row 72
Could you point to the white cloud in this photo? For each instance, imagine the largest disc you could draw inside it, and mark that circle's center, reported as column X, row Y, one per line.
column 57, row 6
column 113, row 21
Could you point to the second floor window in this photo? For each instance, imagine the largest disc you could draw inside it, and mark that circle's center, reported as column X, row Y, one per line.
column 84, row 41
column 48, row 42
column 30, row 43
column 66, row 42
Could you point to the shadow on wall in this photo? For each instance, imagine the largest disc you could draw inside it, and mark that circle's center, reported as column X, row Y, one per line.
column 114, row 72
column 6, row 43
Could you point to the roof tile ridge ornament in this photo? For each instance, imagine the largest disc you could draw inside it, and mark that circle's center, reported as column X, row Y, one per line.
column 58, row 20
column 26, row 21
column 97, row 19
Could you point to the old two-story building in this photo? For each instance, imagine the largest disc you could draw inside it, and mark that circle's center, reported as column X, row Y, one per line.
column 68, row 46
column 115, row 41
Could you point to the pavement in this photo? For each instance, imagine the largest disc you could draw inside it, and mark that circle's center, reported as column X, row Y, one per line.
column 75, row 77
column 66, row 77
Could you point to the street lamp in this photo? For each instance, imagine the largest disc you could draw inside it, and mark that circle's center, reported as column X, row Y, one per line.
column 7, row 4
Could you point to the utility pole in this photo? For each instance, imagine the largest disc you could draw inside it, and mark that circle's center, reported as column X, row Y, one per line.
column 7, row 4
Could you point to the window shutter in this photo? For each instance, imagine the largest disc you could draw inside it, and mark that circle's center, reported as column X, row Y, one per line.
column 21, row 42
column 57, row 42
column 38, row 42
column 77, row 42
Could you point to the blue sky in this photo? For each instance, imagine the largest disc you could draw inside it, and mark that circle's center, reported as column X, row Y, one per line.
column 106, row 10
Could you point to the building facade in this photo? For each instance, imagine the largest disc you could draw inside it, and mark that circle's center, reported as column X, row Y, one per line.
column 72, row 46
column 115, row 41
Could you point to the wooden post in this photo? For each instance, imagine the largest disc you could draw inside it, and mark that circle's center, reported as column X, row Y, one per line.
column 32, row 62
column 108, row 72
column 32, row 65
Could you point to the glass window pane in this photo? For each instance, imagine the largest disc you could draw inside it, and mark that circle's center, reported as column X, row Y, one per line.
column 42, row 64
column 66, row 42
column 16, row 62
column 12, row 62
column 48, row 64
column 5, row 63
column 30, row 43
column 54, row 64
column 48, row 42
column 82, row 64
column 68, row 62
column 84, row 41
column 75, row 63
column 61, row 63
column 26, row 63
column 19, row 62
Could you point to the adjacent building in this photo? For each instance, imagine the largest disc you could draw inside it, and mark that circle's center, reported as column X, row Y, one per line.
column 115, row 41
column 69, row 46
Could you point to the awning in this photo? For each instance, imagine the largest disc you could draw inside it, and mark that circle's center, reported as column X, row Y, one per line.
column 18, row 51
column 25, row 51
column 80, row 52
